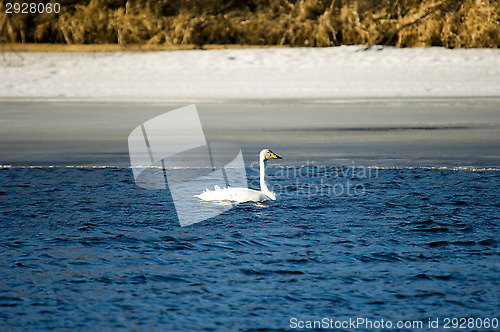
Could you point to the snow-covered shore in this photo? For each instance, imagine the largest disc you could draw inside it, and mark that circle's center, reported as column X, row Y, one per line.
column 349, row 71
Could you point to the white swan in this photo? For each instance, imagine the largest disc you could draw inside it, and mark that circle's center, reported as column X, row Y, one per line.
column 244, row 194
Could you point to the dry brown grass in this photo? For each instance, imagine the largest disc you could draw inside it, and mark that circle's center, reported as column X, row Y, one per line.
column 401, row 23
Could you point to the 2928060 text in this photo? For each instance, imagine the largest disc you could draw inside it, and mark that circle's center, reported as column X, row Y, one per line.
column 32, row 8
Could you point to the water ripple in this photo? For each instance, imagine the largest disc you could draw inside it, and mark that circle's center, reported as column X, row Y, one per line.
column 84, row 248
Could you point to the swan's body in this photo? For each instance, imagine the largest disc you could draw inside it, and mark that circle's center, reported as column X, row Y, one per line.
column 244, row 194
column 232, row 194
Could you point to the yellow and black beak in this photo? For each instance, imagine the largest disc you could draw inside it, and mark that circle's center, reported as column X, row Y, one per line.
column 274, row 155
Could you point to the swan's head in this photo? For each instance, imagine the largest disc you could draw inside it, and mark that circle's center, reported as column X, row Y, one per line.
column 267, row 154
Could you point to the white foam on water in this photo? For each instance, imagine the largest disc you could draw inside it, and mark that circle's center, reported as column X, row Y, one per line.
column 448, row 168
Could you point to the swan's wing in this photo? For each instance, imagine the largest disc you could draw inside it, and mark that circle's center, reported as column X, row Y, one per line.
column 245, row 195
column 210, row 193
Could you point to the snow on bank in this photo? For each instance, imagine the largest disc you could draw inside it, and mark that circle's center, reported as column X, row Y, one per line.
column 349, row 71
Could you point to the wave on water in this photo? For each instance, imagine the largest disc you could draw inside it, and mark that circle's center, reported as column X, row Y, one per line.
column 81, row 243
column 446, row 168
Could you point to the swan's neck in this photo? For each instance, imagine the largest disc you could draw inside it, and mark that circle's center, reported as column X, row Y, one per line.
column 263, row 185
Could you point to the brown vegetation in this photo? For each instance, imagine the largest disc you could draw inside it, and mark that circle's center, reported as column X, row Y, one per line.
column 401, row 23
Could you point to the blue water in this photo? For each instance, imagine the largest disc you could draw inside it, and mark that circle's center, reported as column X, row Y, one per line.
column 86, row 249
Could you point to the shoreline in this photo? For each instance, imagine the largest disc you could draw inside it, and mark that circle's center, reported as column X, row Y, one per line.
column 104, row 48
column 262, row 101
column 109, row 48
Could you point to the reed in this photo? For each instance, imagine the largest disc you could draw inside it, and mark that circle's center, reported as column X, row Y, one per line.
column 401, row 23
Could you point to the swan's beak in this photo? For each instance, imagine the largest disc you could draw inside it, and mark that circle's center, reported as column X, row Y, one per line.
column 274, row 155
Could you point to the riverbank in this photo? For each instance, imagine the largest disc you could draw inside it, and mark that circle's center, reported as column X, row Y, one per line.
column 45, row 47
